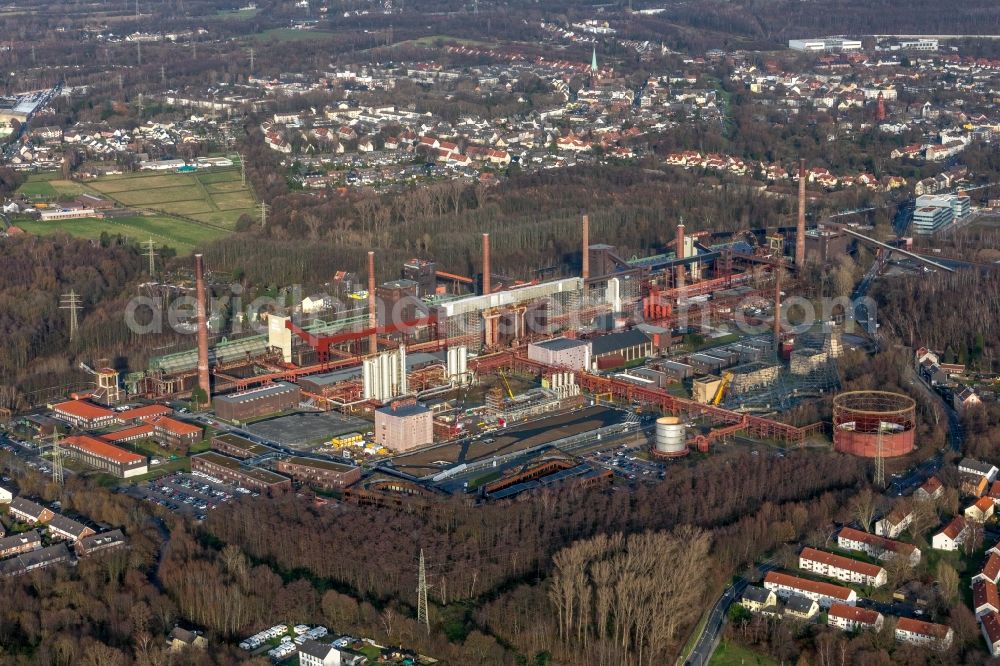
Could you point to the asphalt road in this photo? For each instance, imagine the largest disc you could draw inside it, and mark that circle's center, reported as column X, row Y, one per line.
column 709, row 638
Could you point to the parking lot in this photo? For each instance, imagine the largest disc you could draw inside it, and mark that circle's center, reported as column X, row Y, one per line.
column 187, row 494
column 624, row 462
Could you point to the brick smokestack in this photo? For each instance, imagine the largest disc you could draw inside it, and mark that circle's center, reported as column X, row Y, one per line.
column 800, row 230
column 486, row 264
column 372, row 314
column 585, row 272
column 680, row 255
column 204, row 381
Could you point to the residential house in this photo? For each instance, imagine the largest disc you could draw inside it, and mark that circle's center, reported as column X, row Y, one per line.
column 990, row 624
column 16, row 544
column 852, row 618
column 99, row 543
column 801, row 608
column 5, row 496
column 314, row 653
column 897, row 520
column 876, row 546
column 35, row 559
column 980, row 511
column 61, row 527
column 991, row 568
column 973, row 485
column 973, row 466
column 824, row 594
column 758, row 600
column 842, row 568
column 994, row 492
column 27, row 511
column 179, row 639
column 952, row 536
column 984, row 598
column 931, row 489
column 918, row 632
column 965, row 398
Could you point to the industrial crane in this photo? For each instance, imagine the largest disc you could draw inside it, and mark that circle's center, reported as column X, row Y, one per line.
column 726, row 378
column 506, row 383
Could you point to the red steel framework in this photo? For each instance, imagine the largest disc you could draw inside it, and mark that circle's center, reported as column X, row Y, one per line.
column 731, row 422
column 322, row 343
column 862, row 418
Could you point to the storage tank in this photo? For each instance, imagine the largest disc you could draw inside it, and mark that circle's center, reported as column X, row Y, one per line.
column 670, row 439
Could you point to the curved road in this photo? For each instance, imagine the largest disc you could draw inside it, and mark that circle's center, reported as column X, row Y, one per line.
column 705, row 646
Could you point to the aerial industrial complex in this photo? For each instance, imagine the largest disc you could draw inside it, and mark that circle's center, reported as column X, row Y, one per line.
column 435, row 382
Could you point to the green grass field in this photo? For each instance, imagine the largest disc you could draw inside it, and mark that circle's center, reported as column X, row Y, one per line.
column 217, row 197
column 290, row 35
column 181, row 235
column 237, row 14
column 729, row 654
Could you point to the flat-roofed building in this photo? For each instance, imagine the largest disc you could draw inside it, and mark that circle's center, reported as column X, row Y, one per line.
column 236, row 446
column 852, row 618
column 83, row 414
column 231, row 471
column 564, row 352
column 403, row 425
column 824, row 594
column 324, row 474
column 842, row 568
column 103, row 455
column 256, row 402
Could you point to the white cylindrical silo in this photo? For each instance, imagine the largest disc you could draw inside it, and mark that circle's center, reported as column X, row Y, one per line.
column 670, row 437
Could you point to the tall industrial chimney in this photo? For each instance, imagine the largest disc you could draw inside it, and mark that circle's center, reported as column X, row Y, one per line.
column 800, row 230
column 204, row 381
column 680, row 255
column 372, row 314
column 777, row 309
column 486, row 264
column 585, row 272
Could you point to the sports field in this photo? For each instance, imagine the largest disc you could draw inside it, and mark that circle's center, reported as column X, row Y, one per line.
column 48, row 186
column 216, row 197
column 179, row 234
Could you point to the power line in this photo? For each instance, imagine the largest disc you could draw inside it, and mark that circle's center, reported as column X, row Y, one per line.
column 72, row 303
column 263, row 215
column 150, row 247
column 251, row 61
column 422, row 615
column 57, row 466
column 243, row 168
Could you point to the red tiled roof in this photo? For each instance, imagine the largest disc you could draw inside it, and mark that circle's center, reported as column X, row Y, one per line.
column 82, row 410
column 923, row 628
column 101, row 448
column 128, row 433
column 841, row 562
column 174, row 426
column 991, row 569
column 816, row 587
column 991, row 625
column 984, row 593
column 854, row 613
column 146, row 411
column 875, row 540
column 984, row 504
column 954, row 528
